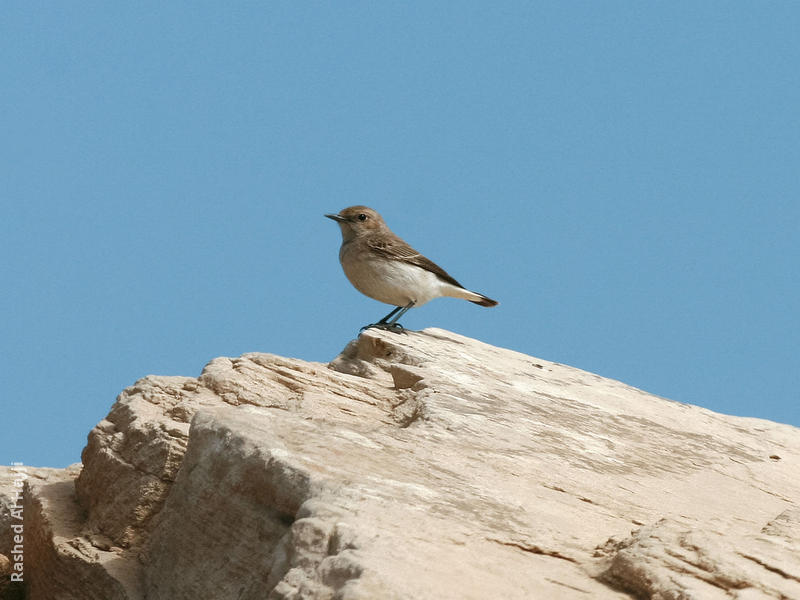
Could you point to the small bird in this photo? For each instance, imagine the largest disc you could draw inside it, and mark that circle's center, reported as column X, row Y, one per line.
column 382, row 266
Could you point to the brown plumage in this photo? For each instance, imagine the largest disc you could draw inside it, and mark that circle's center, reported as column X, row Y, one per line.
column 383, row 266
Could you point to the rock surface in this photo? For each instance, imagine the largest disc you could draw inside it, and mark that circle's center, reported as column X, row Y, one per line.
column 418, row 466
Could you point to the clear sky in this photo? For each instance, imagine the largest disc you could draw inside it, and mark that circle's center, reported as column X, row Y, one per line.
column 624, row 177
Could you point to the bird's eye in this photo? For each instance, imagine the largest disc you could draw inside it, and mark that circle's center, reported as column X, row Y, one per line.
column 362, row 217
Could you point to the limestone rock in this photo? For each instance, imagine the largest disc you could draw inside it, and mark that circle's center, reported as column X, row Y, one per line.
column 425, row 465
column 673, row 559
column 58, row 562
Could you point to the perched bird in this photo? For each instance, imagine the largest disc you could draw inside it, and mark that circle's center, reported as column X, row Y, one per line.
column 382, row 266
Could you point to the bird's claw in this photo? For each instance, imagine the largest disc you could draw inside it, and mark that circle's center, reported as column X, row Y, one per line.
column 393, row 327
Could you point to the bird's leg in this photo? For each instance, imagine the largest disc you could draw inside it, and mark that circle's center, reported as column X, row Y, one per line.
column 403, row 311
column 389, row 322
column 390, row 315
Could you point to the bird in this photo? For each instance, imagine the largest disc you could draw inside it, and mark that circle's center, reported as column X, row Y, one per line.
column 384, row 267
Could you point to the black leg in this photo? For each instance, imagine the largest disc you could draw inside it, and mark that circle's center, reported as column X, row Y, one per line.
column 400, row 314
column 389, row 323
column 390, row 315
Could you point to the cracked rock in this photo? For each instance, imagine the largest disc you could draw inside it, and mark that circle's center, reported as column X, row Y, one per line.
column 420, row 466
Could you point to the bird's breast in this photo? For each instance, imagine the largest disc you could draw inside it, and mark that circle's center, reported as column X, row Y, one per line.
column 391, row 281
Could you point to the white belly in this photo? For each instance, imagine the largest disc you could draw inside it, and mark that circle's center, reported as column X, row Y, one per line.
column 393, row 282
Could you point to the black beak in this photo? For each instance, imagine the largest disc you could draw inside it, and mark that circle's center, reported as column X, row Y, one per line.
column 337, row 218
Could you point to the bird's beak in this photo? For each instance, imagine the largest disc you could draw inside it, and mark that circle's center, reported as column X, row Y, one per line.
column 337, row 218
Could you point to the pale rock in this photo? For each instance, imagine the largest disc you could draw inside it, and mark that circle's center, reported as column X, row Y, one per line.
column 59, row 562
column 417, row 466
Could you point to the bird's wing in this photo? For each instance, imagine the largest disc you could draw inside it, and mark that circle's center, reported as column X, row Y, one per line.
column 397, row 249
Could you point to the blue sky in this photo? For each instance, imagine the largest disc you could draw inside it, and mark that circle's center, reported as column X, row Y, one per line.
column 624, row 177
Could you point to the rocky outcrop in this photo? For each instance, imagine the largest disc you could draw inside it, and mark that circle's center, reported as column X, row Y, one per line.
column 425, row 465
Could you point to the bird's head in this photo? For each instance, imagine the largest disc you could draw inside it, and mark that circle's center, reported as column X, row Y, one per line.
column 358, row 220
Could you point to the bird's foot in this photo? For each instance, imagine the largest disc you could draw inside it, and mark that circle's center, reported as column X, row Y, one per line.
column 393, row 327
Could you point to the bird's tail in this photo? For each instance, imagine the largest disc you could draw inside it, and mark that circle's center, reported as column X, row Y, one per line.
column 483, row 300
column 460, row 292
